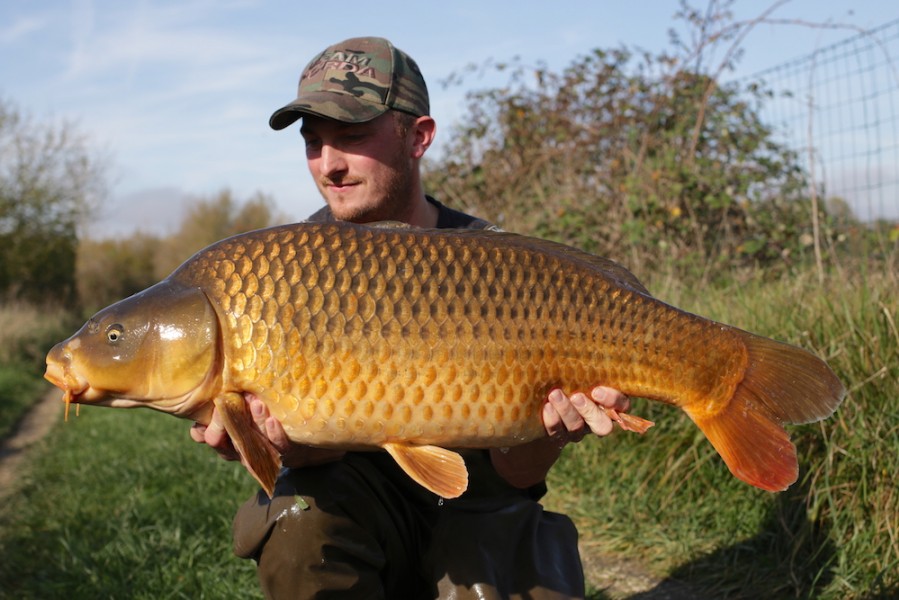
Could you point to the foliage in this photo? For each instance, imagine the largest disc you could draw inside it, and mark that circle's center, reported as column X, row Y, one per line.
column 645, row 158
column 48, row 181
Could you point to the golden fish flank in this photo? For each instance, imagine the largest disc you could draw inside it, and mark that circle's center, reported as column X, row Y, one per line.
column 415, row 340
column 328, row 296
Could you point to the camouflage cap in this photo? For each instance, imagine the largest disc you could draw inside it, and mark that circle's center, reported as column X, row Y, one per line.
column 355, row 81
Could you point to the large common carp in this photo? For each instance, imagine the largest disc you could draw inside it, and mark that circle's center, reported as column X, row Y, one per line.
column 416, row 341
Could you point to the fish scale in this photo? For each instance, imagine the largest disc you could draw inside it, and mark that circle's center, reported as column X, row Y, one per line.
column 416, row 341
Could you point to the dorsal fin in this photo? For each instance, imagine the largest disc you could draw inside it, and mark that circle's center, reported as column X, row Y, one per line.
column 615, row 271
column 611, row 269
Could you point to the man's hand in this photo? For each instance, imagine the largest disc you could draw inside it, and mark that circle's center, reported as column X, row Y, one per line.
column 215, row 436
column 293, row 455
column 566, row 420
column 570, row 419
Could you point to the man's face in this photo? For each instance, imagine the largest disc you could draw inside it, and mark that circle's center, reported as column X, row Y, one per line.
column 365, row 171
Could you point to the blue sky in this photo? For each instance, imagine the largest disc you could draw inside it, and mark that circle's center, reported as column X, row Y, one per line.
column 177, row 94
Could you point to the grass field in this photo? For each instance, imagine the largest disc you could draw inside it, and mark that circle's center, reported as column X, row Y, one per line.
column 120, row 504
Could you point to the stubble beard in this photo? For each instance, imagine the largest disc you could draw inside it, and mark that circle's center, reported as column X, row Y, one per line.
column 389, row 201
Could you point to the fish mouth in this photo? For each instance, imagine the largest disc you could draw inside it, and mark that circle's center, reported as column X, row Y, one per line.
column 73, row 387
column 64, row 378
column 55, row 374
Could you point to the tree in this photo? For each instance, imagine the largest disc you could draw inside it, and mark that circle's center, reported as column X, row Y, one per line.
column 49, row 181
column 209, row 220
column 640, row 157
column 112, row 269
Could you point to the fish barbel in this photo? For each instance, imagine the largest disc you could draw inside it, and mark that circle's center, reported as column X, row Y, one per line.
column 416, row 341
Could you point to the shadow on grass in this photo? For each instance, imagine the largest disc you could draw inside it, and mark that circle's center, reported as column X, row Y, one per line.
column 791, row 557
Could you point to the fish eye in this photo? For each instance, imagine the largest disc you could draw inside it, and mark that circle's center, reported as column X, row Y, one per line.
column 114, row 333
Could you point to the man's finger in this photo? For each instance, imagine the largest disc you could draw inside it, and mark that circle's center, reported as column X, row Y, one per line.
column 570, row 416
column 552, row 422
column 277, row 436
column 610, row 398
column 219, row 440
column 258, row 409
column 198, row 433
column 594, row 416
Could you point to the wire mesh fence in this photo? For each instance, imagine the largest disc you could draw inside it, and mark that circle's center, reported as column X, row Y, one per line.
column 838, row 107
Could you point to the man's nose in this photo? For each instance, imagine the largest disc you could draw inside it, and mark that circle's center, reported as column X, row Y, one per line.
column 332, row 160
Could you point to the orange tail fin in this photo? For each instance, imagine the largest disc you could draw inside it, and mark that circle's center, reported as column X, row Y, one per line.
column 782, row 384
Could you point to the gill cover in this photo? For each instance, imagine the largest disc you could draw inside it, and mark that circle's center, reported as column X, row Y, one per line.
column 153, row 348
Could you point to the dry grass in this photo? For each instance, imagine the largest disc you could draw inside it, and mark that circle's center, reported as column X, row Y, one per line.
column 27, row 331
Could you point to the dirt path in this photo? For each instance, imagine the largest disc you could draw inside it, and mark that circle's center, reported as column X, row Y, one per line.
column 620, row 579
column 32, row 428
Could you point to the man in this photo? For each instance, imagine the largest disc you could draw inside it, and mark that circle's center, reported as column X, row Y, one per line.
column 352, row 524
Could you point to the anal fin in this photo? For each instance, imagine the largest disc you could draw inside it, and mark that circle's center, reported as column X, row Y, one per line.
column 436, row 469
column 259, row 456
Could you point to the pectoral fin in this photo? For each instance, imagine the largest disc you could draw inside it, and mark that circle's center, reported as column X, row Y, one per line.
column 436, row 469
column 259, row 456
column 629, row 422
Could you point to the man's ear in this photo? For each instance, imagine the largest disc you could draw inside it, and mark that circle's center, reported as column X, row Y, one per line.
column 423, row 131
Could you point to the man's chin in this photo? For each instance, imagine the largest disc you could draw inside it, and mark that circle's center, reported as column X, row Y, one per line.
column 344, row 209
